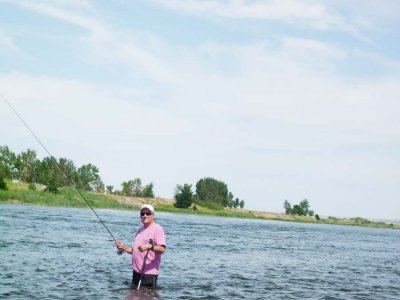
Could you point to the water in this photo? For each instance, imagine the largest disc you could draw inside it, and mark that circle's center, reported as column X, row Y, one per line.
column 64, row 253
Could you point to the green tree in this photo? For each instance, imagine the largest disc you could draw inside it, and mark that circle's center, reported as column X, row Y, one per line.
column 236, row 204
column 27, row 166
column 296, row 210
column 304, row 208
column 49, row 174
column 51, row 186
column 7, row 163
column 230, row 201
column 3, row 184
column 127, row 188
column 69, row 169
column 241, row 204
column 109, row 189
column 209, row 189
column 147, row 191
column 87, row 177
column 301, row 209
column 183, row 196
column 288, row 207
column 97, row 186
column 133, row 188
column 137, row 188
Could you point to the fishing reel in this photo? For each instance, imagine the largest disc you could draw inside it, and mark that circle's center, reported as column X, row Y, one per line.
column 120, row 251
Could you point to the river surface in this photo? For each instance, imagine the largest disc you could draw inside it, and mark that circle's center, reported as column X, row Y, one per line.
column 65, row 253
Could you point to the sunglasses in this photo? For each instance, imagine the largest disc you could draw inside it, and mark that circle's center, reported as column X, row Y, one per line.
column 145, row 214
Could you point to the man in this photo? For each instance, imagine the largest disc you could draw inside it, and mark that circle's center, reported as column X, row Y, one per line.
column 146, row 250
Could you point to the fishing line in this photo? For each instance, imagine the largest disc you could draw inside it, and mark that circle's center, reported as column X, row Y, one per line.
column 61, row 170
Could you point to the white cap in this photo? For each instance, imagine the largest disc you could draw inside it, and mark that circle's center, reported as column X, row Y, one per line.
column 149, row 207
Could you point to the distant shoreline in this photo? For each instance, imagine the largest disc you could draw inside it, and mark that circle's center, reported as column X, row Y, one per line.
column 68, row 197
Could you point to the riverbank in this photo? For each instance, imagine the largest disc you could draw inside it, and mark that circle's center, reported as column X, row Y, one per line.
column 68, row 197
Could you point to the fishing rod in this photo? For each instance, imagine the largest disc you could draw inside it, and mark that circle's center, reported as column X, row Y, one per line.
column 144, row 265
column 61, row 170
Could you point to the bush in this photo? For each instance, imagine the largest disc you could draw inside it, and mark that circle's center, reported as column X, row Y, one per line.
column 32, row 187
column 51, row 187
column 210, row 205
column 359, row 220
column 3, row 184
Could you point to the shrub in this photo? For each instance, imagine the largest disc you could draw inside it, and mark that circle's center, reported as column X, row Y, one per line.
column 210, row 205
column 3, row 184
column 51, row 187
column 183, row 196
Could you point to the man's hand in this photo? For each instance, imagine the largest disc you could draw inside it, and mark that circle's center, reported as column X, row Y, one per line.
column 121, row 246
column 145, row 247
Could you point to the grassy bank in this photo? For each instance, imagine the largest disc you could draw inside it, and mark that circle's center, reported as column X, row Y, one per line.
column 68, row 197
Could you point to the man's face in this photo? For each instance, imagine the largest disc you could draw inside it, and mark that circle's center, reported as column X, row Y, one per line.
column 146, row 216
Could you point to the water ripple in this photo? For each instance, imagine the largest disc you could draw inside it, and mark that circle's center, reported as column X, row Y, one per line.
column 65, row 254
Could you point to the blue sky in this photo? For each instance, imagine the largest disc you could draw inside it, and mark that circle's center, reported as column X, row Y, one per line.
column 281, row 100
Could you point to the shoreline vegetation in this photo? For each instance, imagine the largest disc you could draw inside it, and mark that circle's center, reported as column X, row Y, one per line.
column 20, row 193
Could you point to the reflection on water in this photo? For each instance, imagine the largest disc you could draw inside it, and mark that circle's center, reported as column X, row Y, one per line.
column 143, row 294
column 65, row 253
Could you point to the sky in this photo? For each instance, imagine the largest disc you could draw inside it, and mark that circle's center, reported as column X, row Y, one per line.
column 281, row 100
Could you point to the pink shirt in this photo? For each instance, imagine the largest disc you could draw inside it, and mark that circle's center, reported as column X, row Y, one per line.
column 143, row 236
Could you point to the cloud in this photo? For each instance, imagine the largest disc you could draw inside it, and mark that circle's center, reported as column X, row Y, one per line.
column 274, row 117
column 311, row 48
column 74, row 12
column 6, row 42
column 314, row 15
column 103, row 40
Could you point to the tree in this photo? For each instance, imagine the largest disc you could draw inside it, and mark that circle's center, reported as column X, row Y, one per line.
column 133, row 188
column 296, row 210
column 230, row 200
column 137, row 188
column 209, row 189
column 3, row 184
column 304, row 208
column 148, row 191
column 127, row 188
column 236, row 203
column 183, row 196
column 109, row 189
column 27, row 166
column 49, row 174
column 69, row 169
column 87, row 175
column 51, row 187
column 97, row 186
column 241, row 204
column 7, row 163
column 287, row 207
column 301, row 209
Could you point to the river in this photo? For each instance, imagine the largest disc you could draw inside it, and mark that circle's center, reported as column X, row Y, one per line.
column 65, row 253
